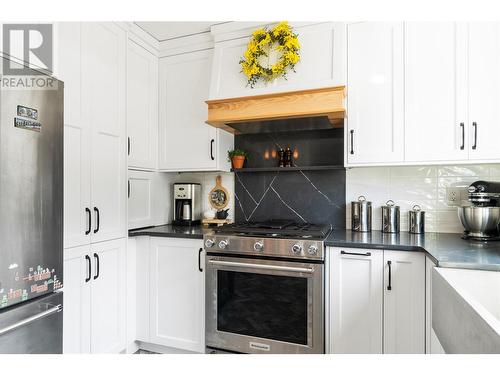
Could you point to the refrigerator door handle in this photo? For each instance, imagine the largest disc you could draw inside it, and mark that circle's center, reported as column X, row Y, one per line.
column 26, row 321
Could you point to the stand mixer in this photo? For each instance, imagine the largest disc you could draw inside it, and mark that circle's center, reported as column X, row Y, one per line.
column 481, row 218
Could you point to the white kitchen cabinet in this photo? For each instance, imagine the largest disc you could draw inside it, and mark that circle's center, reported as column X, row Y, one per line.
column 108, row 300
column 141, row 189
column 77, row 299
column 321, row 64
column 355, row 312
column 375, row 84
column 77, row 133
column 142, row 107
column 484, row 90
column 177, row 293
column 90, row 59
column 187, row 143
column 435, row 92
column 429, row 265
column 94, row 298
column 103, row 108
column 404, row 302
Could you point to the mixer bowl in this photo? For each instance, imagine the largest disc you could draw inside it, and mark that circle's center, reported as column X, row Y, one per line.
column 480, row 221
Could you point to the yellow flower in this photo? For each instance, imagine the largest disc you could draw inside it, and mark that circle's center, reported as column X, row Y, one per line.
column 281, row 28
column 292, row 57
column 258, row 33
column 292, row 43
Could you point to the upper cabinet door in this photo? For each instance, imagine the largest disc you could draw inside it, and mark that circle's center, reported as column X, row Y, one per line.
column 186, row 142
column 103, row 101
column 484, row 90
column 375, row 85
column 76, row 136
column 142, row 107
column 435, row 92
column 321, row 63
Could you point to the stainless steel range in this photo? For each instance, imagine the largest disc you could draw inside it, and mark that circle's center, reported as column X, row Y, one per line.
column 265, row 288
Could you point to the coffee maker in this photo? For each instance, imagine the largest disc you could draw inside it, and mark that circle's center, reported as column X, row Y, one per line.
column 187, row 204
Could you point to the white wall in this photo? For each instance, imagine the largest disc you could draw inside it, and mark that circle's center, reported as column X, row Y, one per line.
column 207, row 181
column 407, row 186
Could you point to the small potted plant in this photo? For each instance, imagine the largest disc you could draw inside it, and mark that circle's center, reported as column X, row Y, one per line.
column 237, row 158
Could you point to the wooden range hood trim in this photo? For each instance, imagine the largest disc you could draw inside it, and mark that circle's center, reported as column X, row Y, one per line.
column 327, row 102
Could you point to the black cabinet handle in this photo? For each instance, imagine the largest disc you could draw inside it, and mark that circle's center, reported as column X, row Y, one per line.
column 97, row 219
column 212, row 149
column 199, row 260
column 128, row 146
column 128, row 188
column 389, row 287
column 360, row 254
column 96, row 257
column 352, row 142
column 462, row 125
column 474, row 146
column 89, row 269
column 89, row 228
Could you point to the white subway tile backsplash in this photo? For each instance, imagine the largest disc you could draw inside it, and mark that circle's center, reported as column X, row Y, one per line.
column 422, row 185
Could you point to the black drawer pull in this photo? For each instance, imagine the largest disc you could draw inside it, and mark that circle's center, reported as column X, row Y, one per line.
column 97, row 219
column 360, row 254
column 199, row 260
column 352, row 142
column 89, row 269
column 474, row 146
column 89, row 228
column 389, row 287
column 462, row 125
column 97, row 266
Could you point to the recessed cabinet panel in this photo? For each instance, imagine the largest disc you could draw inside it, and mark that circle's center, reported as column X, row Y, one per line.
column 484, row 90
column 435, row 92
column 356, row 301
column 186, row 142
column 375, row 130
column 140, row 199
column 103, row 103
column 404, row 302
column 142, row 107
column 177, row 294
column 322, row 63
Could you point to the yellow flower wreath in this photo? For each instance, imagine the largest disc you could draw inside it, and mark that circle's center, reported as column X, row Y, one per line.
column 280, row 37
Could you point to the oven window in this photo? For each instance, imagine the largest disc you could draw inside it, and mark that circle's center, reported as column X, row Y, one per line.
column 264, row 306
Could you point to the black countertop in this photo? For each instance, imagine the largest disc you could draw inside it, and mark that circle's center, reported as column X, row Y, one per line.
column 195, row 231
column 445, row 249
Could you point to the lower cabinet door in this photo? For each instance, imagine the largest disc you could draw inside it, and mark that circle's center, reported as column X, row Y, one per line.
column 140, row 199
column 404, row 302
column 108, row 296
column 77, row 292
column 177, row 303
column 356, row 295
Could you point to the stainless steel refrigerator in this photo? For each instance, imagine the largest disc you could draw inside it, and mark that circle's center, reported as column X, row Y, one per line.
column 31, row 214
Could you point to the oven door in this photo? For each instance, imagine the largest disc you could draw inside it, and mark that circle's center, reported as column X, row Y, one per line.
column 264, row 306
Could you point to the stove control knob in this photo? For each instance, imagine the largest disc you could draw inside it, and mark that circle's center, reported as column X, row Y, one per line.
column 223, row 244
column 258, row 246
column 209, row 242
column 312, row 250
column 297, row 248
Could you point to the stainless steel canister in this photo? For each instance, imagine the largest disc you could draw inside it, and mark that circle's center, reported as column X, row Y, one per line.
column 390, row 217
column 416, row 220
column 361, row 215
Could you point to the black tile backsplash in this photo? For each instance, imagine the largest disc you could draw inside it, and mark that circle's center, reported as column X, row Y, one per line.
column 304, row 196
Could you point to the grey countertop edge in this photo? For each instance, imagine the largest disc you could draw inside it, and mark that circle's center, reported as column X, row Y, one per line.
column 359, row 245
column 197, row 233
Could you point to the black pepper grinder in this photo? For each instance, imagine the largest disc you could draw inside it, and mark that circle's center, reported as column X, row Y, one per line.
column 281, row 157
column 288, row 157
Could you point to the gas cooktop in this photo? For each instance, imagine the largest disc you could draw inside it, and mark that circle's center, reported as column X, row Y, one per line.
column 276, row 229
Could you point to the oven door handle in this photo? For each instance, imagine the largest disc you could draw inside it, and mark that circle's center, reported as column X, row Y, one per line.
column 261, row 266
